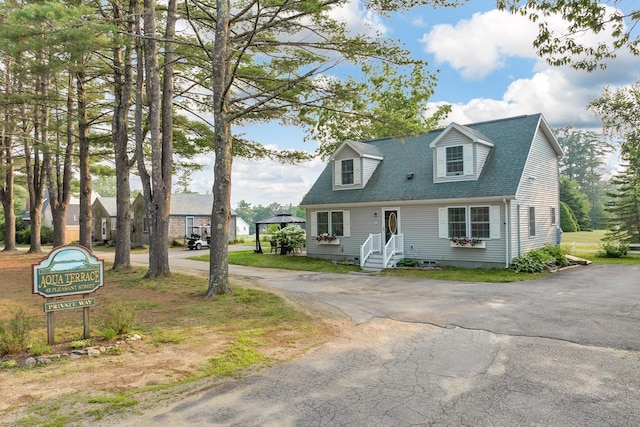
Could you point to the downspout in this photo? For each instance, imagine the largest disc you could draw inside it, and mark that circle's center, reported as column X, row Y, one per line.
column 518, row 219
column 506, row 233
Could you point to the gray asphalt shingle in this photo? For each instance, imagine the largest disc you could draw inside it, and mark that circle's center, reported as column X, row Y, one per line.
column 512, row 139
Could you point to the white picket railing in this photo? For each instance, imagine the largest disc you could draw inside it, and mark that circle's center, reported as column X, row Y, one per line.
column 395, row 245
column 370, row 246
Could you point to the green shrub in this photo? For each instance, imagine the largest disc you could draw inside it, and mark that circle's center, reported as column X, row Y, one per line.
column 568, row 221
column 46, row 235
column 406, row 262
column 539, row 260
column 118, row 319
column 614, row 250
column 16, row 337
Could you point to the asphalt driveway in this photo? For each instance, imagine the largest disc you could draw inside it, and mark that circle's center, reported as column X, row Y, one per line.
column 561, row 351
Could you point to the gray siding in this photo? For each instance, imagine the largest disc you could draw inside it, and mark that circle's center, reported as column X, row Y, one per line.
column 419, row 225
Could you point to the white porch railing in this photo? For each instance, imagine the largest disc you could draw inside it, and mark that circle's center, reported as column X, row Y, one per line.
column 370, row 246
column 395, row 245
column 373, row 244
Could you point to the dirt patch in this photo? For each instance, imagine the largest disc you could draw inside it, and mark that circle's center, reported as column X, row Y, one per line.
column 140, row 363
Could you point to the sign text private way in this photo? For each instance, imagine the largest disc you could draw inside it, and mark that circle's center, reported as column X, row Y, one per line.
column 67, row 270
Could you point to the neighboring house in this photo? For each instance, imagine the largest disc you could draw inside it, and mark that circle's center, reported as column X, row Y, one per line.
column 494, row 185
column 104, row 212
column 242, row 227
column 72, row 229
column 186, row 211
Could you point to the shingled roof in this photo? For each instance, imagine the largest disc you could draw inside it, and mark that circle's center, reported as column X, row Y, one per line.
column 512, row 139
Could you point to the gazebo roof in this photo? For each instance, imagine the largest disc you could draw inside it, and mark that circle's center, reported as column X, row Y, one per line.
column 283, row 218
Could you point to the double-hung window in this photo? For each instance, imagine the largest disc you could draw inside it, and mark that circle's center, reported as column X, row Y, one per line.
column 479, row 222
column 455, row 160
column 322, row 223
column 332, row 222
column 347, row 172
column 472, row 222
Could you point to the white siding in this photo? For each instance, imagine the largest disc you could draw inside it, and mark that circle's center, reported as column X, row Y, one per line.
column 539, row 188
column 454, row 138
column 482, row 152
column 368, row 168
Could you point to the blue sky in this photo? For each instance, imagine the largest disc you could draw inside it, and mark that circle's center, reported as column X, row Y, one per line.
column 488, row 70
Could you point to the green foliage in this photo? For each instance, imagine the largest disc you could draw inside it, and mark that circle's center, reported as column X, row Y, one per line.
column 571, row 194
column 16, row 336
column 624, row 207
column 237, row 358
column 84, row 343
column 614, row 250
column 118, row 318
column 39, row 348
column 584, row 160
column 407, row 262
column 568, row 221
column 167, row 336
column 575, row 44
column 539, row 260
column 291, row 236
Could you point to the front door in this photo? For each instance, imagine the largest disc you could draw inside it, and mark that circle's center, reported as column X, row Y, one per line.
column 391, row 223
column 104, row 228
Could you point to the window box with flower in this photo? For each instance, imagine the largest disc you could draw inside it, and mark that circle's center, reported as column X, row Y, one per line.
column 327, row 239
column 467, row 242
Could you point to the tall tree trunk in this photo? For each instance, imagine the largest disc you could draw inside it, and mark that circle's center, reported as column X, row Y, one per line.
column 6, row 193
column 7, row 165
column 84, row 163
column 37, row 161
column 158, row 195
column 122, row 93
column 60, row 181
column 221, row 212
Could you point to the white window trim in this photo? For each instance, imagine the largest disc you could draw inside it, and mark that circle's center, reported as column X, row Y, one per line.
column 552, row 213
column 535, row 225
column 494, row 221
column 357, row 173
column 346, row 222
column 467, row 162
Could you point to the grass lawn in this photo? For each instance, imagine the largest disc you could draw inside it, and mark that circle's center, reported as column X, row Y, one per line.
column 250, row 258
column 186, row 339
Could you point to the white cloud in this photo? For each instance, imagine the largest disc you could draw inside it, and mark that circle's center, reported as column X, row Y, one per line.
column 262, row 182
column 549, row 92
column 358, row 19
column 479, row 45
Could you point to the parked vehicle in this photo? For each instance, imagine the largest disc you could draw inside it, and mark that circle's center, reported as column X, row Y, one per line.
column 200, row 237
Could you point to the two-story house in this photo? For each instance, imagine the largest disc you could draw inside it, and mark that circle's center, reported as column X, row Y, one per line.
column 476, row 195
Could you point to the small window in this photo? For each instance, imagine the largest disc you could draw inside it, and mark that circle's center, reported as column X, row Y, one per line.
column 330, row 223
column 480, row 225
column 457, row 222
column 347, row 172
column 532, row 221
column 145, row 224
column 553, row 216
column 337, row 223
column 455, row 161
column 323, row 223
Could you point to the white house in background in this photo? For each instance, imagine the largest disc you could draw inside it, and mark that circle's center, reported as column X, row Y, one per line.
column 475, row 195
column 242, row 228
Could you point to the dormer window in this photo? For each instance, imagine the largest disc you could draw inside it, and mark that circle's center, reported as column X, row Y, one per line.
column 455, row 160
column 353, row 164
column 347, row 172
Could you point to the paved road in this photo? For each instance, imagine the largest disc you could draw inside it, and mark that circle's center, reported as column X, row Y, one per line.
column 561, row 351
